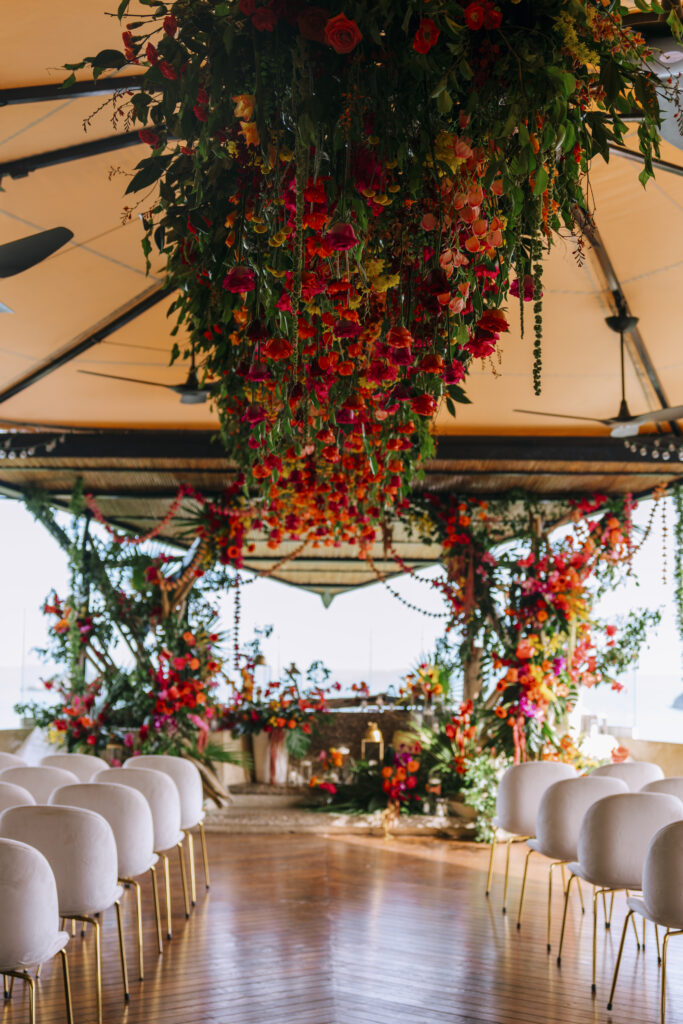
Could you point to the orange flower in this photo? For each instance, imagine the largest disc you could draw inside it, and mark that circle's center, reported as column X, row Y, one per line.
column 194, row 664
column 501, row 712
column 189, row 638
column 250, row 133
column 413, row 765
column 244, row 106
column 387, row 772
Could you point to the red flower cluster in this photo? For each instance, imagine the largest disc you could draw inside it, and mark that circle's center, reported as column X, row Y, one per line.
column 482, row 14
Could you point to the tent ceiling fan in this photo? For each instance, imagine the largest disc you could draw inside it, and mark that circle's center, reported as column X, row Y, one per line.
column 24, row 253
column 191, row 391
column 624, row 424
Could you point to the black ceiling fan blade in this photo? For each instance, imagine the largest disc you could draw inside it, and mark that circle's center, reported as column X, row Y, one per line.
column 129, row 380
column 563, row 416
column 674, row 412
column 24, row 253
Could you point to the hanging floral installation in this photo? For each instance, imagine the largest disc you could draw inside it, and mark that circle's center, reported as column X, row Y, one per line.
column 341, row 196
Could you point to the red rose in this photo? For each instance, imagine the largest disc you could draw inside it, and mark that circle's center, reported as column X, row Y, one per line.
column 492, row 18
column 423, row 405
column 312, row 22
column 167, row 70
column 493, row 320
column 426, row 35
column 200, row 112
column 342, row 34
column 264, row 19
column 151, row 54
column 341, row 237
column 399, row 337
column 247, row 7
column 474, row 15
column 241, row 279
column 170, row 24
column 149, row 137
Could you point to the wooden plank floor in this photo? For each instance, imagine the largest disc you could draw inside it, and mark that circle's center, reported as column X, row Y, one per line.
column 355, row 930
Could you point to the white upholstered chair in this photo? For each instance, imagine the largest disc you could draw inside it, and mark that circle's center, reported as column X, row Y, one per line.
column 635, row 774
column 13, row 796
column 558, row 823
column 191, row 791
column 662, row 899
column 130, row 817
column 519, row 794
column 30, row 932
column 10, row 760
column 162, row 796
column 80, row 848
column 613, row 840
column 84, row 766
column 674, row 786
column 39, row 780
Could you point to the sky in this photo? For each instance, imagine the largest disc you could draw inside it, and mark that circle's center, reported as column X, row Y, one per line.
column 364, row 635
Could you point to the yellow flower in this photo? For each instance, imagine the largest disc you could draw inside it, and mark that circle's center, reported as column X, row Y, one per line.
column 385, row 281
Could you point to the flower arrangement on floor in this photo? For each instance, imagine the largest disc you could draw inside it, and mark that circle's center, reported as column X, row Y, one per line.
column 341, row 194
column 288, row 709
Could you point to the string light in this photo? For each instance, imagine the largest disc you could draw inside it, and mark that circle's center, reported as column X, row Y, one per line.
column 8, row 451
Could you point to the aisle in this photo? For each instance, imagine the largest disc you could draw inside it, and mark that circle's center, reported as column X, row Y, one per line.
column 354, row 930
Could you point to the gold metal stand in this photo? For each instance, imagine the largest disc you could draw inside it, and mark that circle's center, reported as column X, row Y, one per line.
column 193, row 872
column 167, row 888
column 183, row 877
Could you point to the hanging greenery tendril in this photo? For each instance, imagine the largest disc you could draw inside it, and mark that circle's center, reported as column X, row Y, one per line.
column 678, row 557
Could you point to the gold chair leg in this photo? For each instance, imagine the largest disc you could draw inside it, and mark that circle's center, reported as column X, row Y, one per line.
column 564, row 918
column 157, row 909
column 618, row 963
column 38, row 971
column 578, row 885
column 490, row 874
column 193, row 871
column 32, row 998
column 550, row 894
column 608, row 922
column 98, row 958
column 167, row 887
column 635, row 929
column 5, row 986
column 183, row 878
column 122, row 952
column 205, row 855
column 67, row 987
column 521, row 895
column 138, row 905
column 665, row 942
column 659, row 952
column 507, row 874
column 595, row 931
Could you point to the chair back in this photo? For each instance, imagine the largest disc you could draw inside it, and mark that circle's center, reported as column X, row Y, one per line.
column 39, row 780
column 127, row 812
column 615, row 834
column 80, row 848
column 13, row 796
column 84, row 766
column 561, row 812
column 28, row 897
column 663, row 876
column 161, row 794
column 186, row 777
column 635, row 774
column 674, row 786
column 520, row 791
column 10, row 760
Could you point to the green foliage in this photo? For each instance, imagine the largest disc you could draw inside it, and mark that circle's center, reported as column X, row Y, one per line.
column 479, row 788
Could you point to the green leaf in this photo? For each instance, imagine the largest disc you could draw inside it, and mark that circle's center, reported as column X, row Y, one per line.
column 541, row 182
column 149, row 171
column 109, row 59
column 458, row 395
column 68, row 81
column 297, row 743
column 444, row 103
